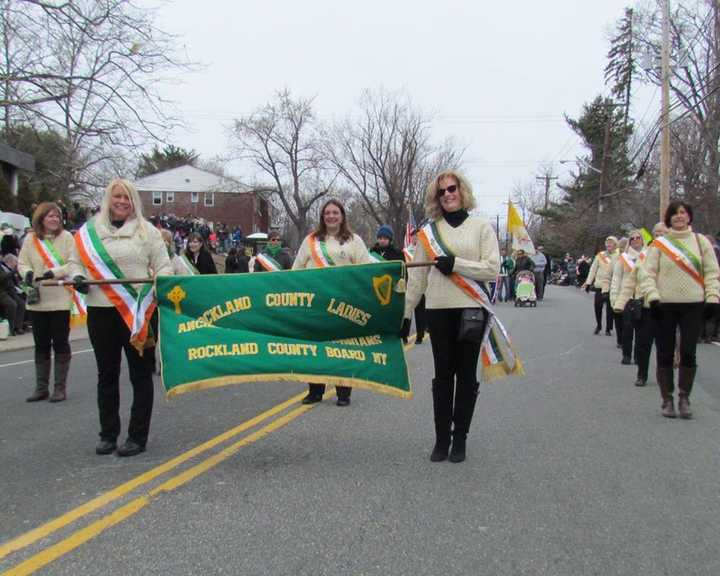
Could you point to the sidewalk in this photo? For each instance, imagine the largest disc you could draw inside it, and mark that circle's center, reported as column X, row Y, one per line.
column 26, row 340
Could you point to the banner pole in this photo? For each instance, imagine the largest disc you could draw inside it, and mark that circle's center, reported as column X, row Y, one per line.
column 98, row 282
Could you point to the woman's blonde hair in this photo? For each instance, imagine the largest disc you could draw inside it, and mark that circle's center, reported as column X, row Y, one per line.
column 135, row 200
column 433, row 210
column 43, row 209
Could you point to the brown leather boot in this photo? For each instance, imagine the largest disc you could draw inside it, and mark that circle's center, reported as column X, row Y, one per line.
column 686, row 378
column 62, row 367
column 666, row 385
column 42, row 377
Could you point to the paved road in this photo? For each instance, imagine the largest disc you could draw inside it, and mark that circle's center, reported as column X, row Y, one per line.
column 571, row 470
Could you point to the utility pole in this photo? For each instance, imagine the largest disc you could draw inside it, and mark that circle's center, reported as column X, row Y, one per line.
column 547, row 179
column 665, row 114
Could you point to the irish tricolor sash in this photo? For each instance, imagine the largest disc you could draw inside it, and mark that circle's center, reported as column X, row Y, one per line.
column 319, row 252
column 268, row 262
column 134, row 307
column 684, row 258
column 627, row 262
column 190, row 269
column 52, row 259
column 375, row 257
column 499, row 359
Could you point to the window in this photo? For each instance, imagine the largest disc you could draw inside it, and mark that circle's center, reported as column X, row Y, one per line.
column 209, row 198
column 169, row 197
column 194, row 197
column 157, row 198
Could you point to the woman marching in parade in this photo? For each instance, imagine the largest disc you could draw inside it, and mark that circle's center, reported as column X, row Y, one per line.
column 631, row 299
column 197, row 258
column 273, row 256
column 465, row 253
column 331, row 244
column 625, row 263
column 599, row 279
column 117, row 244
column 46, row 254
column 680, row 281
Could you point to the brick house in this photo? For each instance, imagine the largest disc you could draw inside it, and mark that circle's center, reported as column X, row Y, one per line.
column 202, row 194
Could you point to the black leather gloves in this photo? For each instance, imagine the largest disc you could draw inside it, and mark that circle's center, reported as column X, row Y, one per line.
column 655, row 309
column 47, row 275
column 445, row 264
column 29, row 277
column 405, row 329
column 80, row 284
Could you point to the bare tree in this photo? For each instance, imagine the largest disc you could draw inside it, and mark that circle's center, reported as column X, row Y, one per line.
column 282, row 139
column 387, row 158
column 90, row 70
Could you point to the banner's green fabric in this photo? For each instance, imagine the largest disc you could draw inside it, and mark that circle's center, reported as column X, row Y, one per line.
column 336, row 325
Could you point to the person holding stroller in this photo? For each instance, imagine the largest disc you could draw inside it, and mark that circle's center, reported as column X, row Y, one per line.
column 598, row 280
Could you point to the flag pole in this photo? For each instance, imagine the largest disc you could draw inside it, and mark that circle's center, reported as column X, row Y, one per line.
column 99, row 282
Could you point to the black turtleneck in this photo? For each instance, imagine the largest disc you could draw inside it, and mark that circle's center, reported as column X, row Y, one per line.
column 455, row 218
column 117, row 223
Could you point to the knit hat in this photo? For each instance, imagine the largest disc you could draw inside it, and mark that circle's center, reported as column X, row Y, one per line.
column 385, row 231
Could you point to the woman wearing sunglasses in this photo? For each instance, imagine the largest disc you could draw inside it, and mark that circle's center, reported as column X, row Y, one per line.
column 680, row 281
column 631, row 297
column 462, row 248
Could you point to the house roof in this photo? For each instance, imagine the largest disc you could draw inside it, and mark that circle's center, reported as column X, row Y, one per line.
column 188, row 179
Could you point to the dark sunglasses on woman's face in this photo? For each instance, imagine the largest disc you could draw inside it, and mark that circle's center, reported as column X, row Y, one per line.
column 636, row 238
column 441, row 191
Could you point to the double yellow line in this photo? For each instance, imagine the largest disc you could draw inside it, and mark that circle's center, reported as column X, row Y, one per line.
column 79, row 537
column 91, row 531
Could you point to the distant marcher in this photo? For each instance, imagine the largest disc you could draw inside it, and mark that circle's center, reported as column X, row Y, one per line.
column 598, row 280
column 198, row 255
column 623, row 308
column 273, row 256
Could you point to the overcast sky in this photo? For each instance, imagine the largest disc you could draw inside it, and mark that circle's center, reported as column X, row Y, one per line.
column 497, row 75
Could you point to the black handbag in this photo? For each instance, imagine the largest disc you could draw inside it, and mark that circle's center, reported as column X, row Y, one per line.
column 636, row 307
column 472, row 325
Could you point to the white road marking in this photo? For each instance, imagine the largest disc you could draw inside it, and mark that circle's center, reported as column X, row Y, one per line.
column 33, row 360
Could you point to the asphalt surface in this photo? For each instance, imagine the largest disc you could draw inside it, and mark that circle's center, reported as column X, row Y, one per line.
column 571, row 470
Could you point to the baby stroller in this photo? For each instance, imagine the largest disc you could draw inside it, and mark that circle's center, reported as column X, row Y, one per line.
column 525, row 289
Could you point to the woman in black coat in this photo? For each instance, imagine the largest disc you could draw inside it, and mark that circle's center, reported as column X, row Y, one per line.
column 198, row 255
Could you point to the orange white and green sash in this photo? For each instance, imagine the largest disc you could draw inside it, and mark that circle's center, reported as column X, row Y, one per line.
column 375, row 257
column 628, row 262
column 134, row 306
column 499, row 359
column 684, row 258
column 190, row 269
column 319, row 252
column 268, row 262
column 52, row 259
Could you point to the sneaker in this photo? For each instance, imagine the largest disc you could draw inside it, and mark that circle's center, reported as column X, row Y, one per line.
column 640, row 382
column 668, row 409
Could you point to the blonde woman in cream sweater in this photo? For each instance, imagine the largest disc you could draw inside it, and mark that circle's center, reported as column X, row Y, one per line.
column 625, row 264
column 470, row 249
column 331, row 244
column 599, row 281
column 680, row 282
column 643, row 327
column 46, row 254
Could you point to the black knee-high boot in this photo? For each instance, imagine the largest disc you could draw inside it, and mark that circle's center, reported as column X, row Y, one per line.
column 465, row 400
column 442, row 391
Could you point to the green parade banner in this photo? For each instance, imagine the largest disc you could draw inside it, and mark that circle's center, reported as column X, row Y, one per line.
column 336, row 325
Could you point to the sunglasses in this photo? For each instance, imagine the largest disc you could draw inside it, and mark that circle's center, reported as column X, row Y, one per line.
column 274, row 239
column 441, row 191
column 635, row 237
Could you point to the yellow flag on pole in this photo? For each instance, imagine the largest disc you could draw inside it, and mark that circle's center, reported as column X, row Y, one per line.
column 516, row 228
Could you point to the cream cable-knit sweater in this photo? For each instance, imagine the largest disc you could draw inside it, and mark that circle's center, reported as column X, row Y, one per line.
column 600, row 272
column 665, row 281
column 52, row 298
column 353, row 251
column 618, row 276
column 137, row 255
column 475, row 247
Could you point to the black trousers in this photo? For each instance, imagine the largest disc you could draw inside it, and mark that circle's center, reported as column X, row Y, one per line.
column 420, row 319
column 109, row 336
column 600, row 301
column 644, row 329
column 13, row 308
column 628, row 333
column 456, row 362
column 51, row 331
column 688, row 318
column 619, row 326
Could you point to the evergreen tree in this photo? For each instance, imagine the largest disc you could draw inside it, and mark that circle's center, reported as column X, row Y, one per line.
column 165, row 159
column 621, row 67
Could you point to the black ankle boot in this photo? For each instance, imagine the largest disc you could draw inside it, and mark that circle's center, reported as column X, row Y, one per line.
column 457, row 452
column 440, row 452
